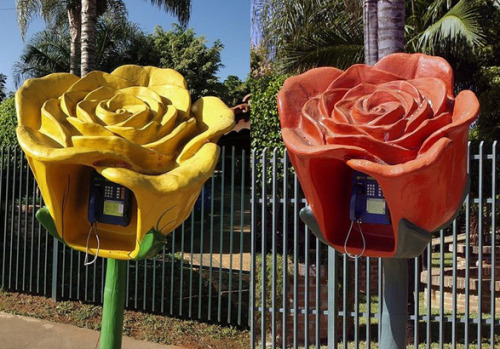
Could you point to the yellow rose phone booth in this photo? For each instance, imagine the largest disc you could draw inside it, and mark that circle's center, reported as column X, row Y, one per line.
column 120, row 160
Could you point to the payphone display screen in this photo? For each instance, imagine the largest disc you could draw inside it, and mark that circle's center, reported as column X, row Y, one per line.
column 113, row 208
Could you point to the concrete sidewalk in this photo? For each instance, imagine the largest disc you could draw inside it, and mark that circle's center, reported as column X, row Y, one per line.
column 19, row 332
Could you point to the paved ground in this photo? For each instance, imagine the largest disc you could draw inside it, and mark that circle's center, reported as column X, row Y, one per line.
column 18, row 332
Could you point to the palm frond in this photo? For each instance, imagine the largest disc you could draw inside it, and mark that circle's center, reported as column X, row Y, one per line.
column 26, row 10
column 179, row 8
column 460, row 23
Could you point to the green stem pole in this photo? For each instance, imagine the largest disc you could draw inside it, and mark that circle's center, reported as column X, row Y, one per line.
column 395, row 310
column 114, row 302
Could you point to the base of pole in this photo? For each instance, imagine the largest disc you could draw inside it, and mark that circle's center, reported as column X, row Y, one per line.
column 395, row 308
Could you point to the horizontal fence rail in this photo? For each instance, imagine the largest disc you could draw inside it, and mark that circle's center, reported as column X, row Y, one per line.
column 305, row 294
column 202, row 273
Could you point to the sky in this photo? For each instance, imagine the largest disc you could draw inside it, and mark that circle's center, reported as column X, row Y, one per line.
column 226, row 20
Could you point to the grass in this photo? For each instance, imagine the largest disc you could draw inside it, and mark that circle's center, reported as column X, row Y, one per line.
column 142, row 326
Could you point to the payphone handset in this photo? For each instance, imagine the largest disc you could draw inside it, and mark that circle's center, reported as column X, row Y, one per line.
column 367, row 205
column 109, row 202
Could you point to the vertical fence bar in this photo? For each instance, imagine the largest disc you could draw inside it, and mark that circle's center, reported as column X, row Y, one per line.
column 191, row 266
column 26, row 214
column 356, row 303
column 306, row 288
column 163, row 263
column 467, row 255
column 242, row 226
column 144, row 285
column 231, row 238
column 136, row 285
column 183, row 231
column 153, row 300
column 493, row 242
column 221, row 234
column 263, row 322
column 429, row 287
column 332, row 298
column 345, row 310
column 19, row 210
column 13, row 208
column 211, row 247
column 368, row 302
column 5, row 218
column 127, row 287
column 380, row 294
column 285, row 250
column 416, row 335
column 55, row 257
column 454, row 290
column 2, row 168
column 32, row 249
column 63, row 270
column 172, row 273
column 273, row 244
column 253, row 270
column 317, row 300
column 441, row 288
column 202, row 221
column 295, row 260
column 480, row 248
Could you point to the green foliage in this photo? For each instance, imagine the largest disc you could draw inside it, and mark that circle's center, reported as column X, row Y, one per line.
column 3, row 80
column 233, row 90
column 279, row 281
column 266, row 131
column 304, row 34
column 183, row 51
column 8, row 122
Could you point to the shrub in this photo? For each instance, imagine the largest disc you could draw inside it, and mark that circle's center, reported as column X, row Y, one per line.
column 8, row 122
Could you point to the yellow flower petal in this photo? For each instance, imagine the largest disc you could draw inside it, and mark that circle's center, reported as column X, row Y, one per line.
column 69, row 100
column 100, row 94
column 33, row 94
column 97, row 79
column 178, row 97
column 89, row 128
column 214, row 119
column 150, row 76
column 171, row 142
column 85, row 111
column 130, row 155
column 139, row 136
column 54, row 122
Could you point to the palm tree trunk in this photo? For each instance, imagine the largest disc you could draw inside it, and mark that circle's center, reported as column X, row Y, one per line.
column 370, row 28
column 89, row 22
column 391, row 21
column 75, row 30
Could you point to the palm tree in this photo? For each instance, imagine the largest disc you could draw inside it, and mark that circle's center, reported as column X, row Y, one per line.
column 180, row 8
column 118, row 42
column 46, row 52
column 303, row 34
column 443, row 23
column 370, row 22
column 89, row 22
column 56, row 13
column 391, row 24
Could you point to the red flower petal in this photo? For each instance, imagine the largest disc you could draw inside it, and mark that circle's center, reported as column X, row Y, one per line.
column 418, row 65
column 297, row 90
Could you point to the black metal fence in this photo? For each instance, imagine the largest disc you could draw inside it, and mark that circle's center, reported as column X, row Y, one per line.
column 202, row 273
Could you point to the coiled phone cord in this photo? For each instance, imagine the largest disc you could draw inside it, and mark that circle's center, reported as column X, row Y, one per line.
column 86, row 262
column 354, row 256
